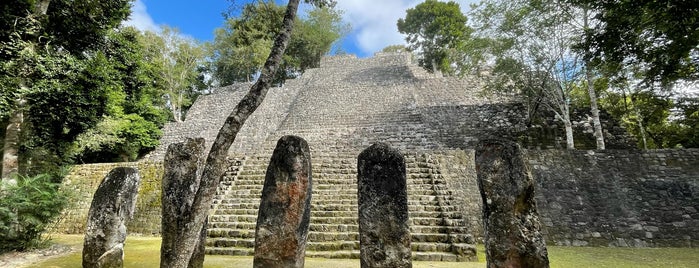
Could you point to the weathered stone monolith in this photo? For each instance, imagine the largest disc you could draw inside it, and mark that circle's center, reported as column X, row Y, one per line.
column 512, row 229
column 179, row 187
column 113, row 204
column 384, row 234
column 285, row 208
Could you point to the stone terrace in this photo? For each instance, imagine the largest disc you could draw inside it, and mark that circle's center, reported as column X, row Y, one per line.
column 341, row 108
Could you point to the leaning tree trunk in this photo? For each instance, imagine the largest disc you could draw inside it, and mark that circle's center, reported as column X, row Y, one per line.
column 216, row 160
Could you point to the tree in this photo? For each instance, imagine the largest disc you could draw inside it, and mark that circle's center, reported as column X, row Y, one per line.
column 660, row 36
column 659, row 39
column 438, row 32
column 532, row 45
column 594, row 109
column 179, row 59
column 134, row 111
column 241, row 45
column 687, row 124
column 43, row 37
column 190, row 238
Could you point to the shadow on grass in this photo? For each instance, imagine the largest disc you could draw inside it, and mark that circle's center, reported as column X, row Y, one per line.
column 145, row 252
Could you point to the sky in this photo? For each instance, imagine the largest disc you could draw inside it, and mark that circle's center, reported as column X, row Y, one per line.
column 373, row 22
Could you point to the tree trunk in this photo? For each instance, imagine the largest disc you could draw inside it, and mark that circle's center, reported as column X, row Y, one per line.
column 599, row 135
column 216, row 160
column 570, row 143
column 10, row 156
column 639, row 120
column 173, row 108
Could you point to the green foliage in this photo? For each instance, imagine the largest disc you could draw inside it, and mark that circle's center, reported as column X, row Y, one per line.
column 54, row 73
column 132, row 111
column 26, row 209
column 438, row 31
column 74, row 25
column 178, row 59
column 117, row 139
column 531, row 45
column 660, row 36
column 79, row 25
column 241, row 47
column 312, row 38
column 687, row 123
column 394, row 48
column 665, row 121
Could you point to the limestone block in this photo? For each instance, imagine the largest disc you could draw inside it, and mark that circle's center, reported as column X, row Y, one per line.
column 113, row 204
column 384, row 233
column 285, row 208
column 513, row 235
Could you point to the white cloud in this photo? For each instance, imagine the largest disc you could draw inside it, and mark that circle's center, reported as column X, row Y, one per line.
column 374, row 22
column 140, row 18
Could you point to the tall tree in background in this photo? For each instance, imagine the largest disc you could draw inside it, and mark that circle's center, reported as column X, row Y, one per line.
column 180, row 59
column 42, row 47
column 594, row 108
column 241, row 45
column 437, row 31
column 135, row 109
column 532, row 48
column 644, row 48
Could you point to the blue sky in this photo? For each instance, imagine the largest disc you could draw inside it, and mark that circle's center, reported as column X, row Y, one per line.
column 373, row 21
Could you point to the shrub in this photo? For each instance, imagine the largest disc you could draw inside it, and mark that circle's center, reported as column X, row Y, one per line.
column 26, row 209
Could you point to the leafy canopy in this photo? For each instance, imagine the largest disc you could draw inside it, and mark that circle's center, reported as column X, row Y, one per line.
column 438, row 32
column 660, row 36
column 242, row 45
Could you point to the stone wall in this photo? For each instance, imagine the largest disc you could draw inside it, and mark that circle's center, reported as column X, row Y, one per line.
column 619, row 198
column 82, row 182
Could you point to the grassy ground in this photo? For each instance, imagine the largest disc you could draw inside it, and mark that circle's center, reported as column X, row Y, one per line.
column 145, row 252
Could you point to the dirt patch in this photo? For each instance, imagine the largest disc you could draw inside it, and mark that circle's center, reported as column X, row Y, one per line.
column 21, row 259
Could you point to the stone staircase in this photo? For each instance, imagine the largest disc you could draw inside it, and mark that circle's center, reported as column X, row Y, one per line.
column 438, row 232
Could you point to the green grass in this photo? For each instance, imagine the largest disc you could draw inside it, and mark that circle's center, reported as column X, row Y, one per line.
column 145, row 252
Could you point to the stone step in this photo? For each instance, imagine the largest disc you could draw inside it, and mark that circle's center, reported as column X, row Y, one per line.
column 438, row 232
column 333, row 178
column 259, row 173
column 253, row 202
column 337, row 254
column 334, row 191
column 335, row 228
column 230, row 233
column 414, row 221
column 340, row 254
column 332, row 236
column 232, row 225
column 228, row 246
column 413, row 228
column 224, row 242
column 230, row 251
column 318, row 198
column 341, row 211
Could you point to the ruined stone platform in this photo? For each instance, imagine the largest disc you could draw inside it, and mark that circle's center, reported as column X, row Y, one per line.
column 341, row 108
